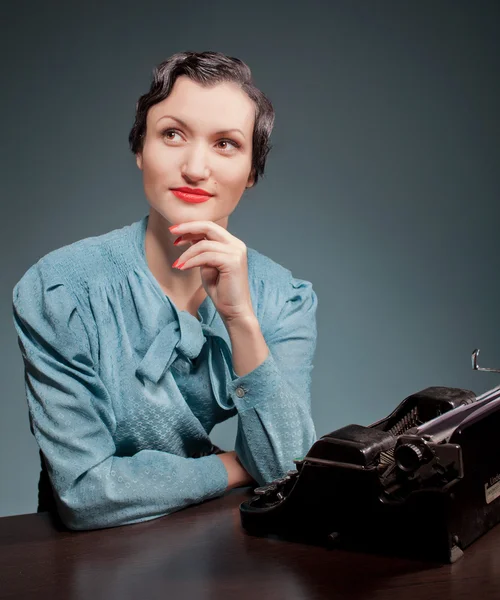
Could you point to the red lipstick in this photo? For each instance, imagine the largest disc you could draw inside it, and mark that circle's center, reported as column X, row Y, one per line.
column 193, row 195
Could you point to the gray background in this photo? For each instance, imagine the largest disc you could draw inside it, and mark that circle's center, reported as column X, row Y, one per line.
column 382, row 188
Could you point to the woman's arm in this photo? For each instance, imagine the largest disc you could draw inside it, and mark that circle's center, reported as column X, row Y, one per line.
column 273, row 400
column 249, row 348
column 72, row 421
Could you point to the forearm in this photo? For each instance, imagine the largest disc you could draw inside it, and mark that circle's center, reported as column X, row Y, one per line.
column 275, row 424
column 144, row 486
column 249, row 348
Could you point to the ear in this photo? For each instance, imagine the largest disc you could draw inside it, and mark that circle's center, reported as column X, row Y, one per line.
column 251, row 180
column 138, row 160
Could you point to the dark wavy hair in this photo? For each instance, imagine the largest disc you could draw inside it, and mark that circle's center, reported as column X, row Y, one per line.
column 207, row 68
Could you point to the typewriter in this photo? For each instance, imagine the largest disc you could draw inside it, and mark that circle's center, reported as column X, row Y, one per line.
column 422, row 483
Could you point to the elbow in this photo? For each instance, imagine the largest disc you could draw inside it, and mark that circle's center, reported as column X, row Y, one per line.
column 83, row 512
column 80, row 510
column 85, row 518
column 77, row 507
column 76, row 517
column 298, row 451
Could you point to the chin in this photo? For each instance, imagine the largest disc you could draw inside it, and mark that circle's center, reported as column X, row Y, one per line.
column 183, row 214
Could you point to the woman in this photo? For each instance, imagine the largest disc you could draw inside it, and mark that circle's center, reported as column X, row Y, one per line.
column 136, row 343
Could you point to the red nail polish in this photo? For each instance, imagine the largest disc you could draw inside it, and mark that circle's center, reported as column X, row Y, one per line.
column 178, row 240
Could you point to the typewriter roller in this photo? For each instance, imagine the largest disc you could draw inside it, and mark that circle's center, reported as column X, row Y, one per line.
column 423, row 482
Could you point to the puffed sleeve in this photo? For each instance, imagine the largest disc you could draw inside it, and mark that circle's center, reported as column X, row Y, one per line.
column 273, row 401
column 72, row 421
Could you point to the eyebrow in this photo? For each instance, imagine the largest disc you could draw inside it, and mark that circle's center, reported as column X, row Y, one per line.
column 181, row 122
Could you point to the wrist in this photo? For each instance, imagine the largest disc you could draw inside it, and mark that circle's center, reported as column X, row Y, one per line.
column 246, row 321
column 236, row 474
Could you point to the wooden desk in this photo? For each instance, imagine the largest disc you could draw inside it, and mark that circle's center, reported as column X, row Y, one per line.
column 202, row 552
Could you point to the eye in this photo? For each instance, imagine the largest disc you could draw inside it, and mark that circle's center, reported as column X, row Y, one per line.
column 233, row 143
column 167, row 131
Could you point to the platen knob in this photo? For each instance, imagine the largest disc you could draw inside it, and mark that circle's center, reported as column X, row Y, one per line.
column 408, row 457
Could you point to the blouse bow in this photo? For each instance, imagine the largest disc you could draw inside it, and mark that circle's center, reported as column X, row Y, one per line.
column 182, row 340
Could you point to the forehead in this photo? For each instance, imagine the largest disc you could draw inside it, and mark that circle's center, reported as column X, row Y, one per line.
column 221, row 106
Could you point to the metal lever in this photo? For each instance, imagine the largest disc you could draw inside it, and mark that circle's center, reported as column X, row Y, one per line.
column 475, row 366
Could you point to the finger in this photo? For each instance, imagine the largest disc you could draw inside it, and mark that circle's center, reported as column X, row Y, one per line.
column 188, row 237
column 199, row 239
column 220, row 260
column 209, row 249
column 208, row 228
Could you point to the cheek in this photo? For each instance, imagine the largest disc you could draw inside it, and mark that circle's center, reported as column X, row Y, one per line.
column 155, row 162
column 235, row 177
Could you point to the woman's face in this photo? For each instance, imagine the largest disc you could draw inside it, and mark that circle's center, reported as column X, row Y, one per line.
column 195, row 153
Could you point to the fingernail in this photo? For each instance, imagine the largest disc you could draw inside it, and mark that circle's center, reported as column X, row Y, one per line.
column 173, row 228
column 178, row 240
column 175, row 263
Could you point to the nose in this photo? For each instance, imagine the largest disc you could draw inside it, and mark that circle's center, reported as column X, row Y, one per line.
column 195, row 165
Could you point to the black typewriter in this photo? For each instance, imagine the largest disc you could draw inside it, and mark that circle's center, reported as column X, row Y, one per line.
column 424, row 482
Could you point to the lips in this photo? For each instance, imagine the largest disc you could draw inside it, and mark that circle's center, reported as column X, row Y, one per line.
column 193, row 195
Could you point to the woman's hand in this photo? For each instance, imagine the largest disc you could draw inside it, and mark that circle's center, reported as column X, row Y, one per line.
column 222, row 259
column 236, row 474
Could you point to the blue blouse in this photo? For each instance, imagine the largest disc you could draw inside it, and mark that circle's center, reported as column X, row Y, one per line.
column 123, row 388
